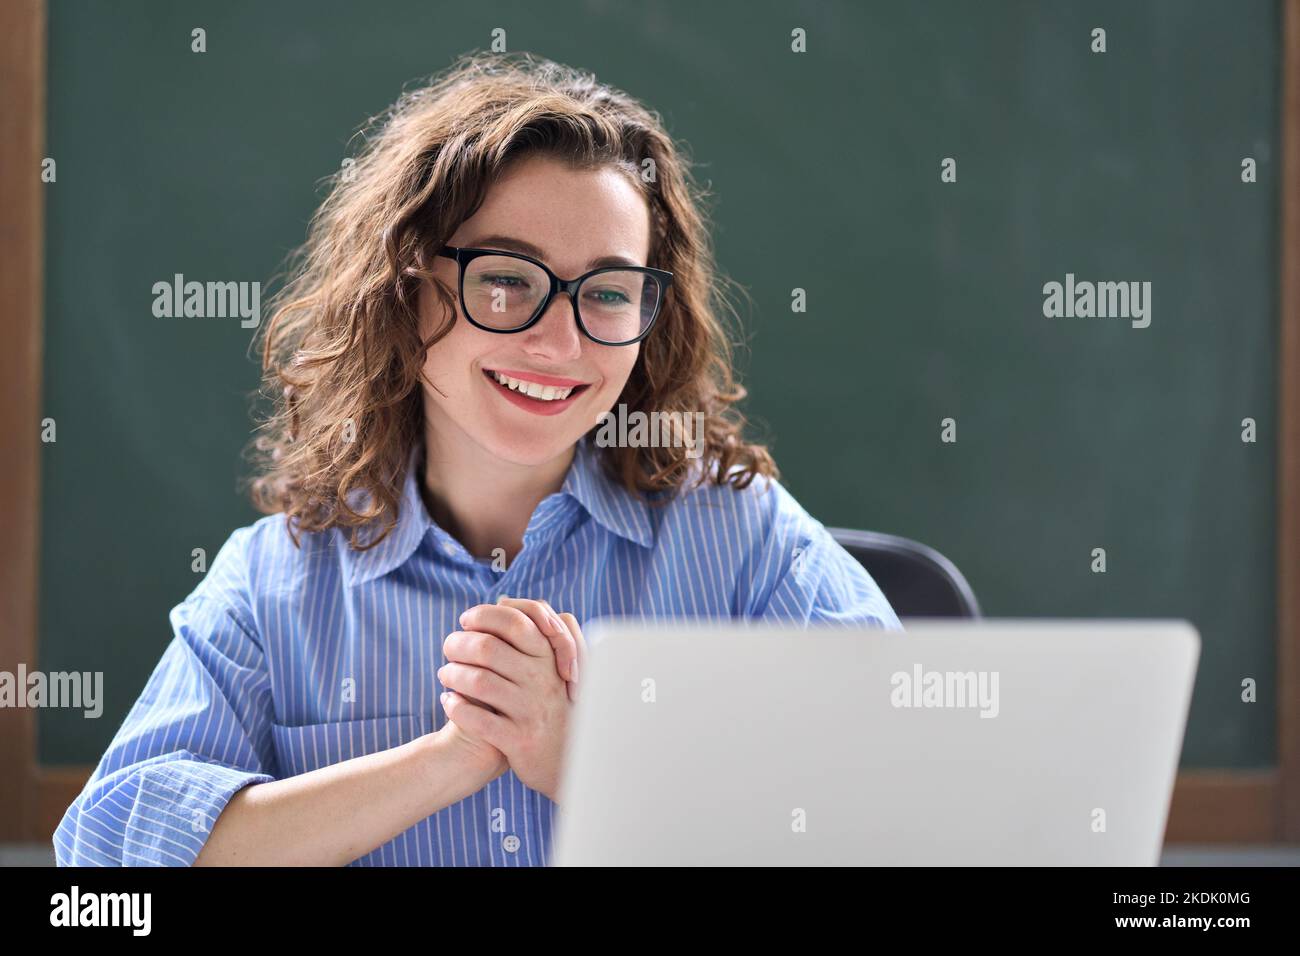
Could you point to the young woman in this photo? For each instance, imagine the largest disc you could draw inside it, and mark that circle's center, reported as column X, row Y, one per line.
column 381, row 672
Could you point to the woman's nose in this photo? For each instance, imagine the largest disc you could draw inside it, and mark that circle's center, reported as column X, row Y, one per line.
column 558, row 327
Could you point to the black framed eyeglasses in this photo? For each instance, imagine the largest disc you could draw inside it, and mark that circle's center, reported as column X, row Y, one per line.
column 510, row 292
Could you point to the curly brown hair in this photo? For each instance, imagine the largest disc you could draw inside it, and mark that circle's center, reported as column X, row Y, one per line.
column 342, row 353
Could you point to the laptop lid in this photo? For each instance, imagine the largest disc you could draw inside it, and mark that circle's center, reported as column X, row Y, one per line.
column 958, row 742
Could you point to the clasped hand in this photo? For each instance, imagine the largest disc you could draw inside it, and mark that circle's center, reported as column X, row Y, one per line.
column 511, row 678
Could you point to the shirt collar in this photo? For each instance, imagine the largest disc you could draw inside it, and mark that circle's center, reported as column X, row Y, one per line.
column 612, row 506
column 413, row 522
column 622, row 512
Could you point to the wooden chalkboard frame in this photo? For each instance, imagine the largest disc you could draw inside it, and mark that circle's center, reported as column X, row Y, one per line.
column 1209, row 806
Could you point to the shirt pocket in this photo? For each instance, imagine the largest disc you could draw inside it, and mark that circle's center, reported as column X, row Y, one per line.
column 311, row 746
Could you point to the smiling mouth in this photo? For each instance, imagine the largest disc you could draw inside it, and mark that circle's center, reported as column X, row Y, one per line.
column 535, row 391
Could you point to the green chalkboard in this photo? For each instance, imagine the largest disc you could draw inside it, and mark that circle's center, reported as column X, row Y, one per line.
column 924, row 298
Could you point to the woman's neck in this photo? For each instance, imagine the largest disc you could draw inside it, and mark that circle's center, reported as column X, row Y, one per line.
column 483, row 502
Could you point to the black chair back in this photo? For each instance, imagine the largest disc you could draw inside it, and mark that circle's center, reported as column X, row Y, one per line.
column 917, row 580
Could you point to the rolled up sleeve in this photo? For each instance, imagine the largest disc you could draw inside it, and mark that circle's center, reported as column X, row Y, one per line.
column 804, row 576
column 199, row 732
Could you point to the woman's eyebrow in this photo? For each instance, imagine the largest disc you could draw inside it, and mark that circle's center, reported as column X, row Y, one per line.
column 510, row 244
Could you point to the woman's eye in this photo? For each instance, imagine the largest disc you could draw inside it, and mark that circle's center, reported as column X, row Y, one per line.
column 503, row 281
column 610, row 297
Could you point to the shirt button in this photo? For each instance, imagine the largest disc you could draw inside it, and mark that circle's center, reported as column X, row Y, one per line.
column 448, row 547
column 510, row 844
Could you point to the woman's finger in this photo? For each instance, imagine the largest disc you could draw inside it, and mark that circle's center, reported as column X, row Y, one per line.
column 475, row 719
column 510, row 624
column 483, row 685
column 487, row 651
column 548, row 622
column 580, row 642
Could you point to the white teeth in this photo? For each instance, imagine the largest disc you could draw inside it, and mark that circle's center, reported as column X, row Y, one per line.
column 546, row 393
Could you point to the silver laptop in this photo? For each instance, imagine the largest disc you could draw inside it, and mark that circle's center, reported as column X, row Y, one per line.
column 956, row 743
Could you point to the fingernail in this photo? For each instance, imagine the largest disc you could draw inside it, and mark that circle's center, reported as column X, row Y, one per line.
column 573, row 671
column 443, row 697
column 556, row 625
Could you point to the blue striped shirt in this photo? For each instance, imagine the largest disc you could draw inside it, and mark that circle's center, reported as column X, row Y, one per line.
column 284, row 660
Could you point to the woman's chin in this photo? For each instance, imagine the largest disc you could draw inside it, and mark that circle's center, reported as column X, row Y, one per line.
column 526, row 447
